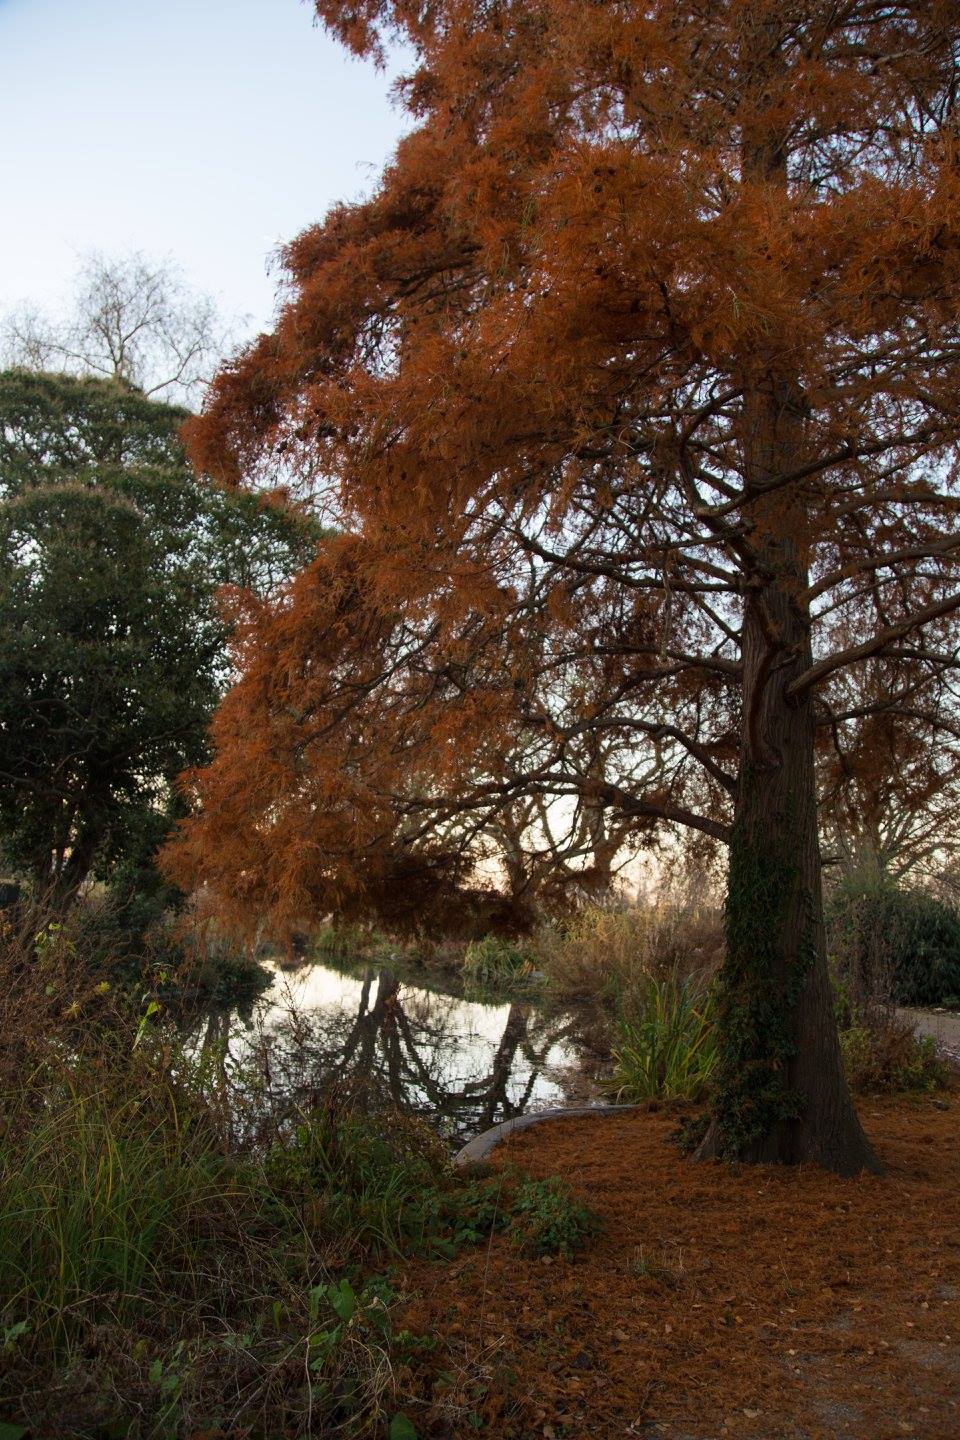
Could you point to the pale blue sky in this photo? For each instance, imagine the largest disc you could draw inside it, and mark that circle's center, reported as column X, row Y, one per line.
column 203, row 129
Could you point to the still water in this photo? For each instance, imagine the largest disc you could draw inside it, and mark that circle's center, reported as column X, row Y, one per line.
column 462, row 1064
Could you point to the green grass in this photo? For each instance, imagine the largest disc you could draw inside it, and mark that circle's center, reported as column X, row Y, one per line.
column 493, row 965
column 666, row 1045
column 98, row 1202
column 150, row 1267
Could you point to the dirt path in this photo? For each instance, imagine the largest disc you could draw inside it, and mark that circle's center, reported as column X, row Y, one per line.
column 943, row 1025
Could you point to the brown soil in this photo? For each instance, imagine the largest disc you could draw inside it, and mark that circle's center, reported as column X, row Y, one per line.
column 718, row 1302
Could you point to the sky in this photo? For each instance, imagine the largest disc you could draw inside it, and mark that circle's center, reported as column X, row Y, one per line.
column 203, row 130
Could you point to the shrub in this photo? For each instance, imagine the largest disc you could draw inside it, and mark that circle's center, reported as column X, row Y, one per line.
column 372, row 1180
column 667, row 1045
column 547, row 1220
column 885, row 1055
column 494, row 962
column 896, row 944
column 186, row 966
column 212, row 975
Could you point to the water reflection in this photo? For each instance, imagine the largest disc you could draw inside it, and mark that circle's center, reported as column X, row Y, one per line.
column 463, row 1064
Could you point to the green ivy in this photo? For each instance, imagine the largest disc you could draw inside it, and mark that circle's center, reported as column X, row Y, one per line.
column 756, row 1000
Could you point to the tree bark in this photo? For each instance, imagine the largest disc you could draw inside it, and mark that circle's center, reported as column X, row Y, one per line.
column 782, row 1095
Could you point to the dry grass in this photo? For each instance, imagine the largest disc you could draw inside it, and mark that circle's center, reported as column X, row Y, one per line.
column 611, row 954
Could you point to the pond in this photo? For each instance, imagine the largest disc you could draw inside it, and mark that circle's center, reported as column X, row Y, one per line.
column 462, row 1064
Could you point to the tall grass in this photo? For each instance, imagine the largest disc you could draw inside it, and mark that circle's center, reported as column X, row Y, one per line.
column 100, row 1202
column 666, row 1046
column 373, row 1181
column 154, row 1275
column 611, row 954
column 494, row 964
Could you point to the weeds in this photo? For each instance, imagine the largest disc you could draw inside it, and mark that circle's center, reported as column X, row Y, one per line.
column 106, row 1193
column 379, row 1179
column 667, row 1271
column 884, row 1054
column 145, row 1271
column 547, row 1220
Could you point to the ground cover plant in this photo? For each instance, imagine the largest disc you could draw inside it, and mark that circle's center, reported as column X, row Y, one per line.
column 174, row 1261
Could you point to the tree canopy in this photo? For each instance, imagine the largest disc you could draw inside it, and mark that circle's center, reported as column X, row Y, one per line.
column 112, row 650
column 634, row 390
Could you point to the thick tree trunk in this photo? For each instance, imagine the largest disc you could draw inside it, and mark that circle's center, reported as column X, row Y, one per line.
column 781, row 1095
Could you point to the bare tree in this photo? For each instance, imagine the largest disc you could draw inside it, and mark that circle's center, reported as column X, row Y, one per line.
column 130, row 319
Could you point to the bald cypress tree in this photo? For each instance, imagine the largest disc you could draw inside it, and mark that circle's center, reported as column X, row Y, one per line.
column 635, row 382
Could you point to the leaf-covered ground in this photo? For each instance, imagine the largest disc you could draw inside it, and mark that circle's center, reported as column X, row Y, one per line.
column 759, row 1302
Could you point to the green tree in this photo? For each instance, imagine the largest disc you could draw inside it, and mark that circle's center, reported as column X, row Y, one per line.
column 113, row 648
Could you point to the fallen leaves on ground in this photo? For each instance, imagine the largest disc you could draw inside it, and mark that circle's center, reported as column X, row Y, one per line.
column 719, row 1302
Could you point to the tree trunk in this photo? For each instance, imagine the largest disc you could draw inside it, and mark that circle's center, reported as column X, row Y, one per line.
column 69, row 878
column 781, row 1094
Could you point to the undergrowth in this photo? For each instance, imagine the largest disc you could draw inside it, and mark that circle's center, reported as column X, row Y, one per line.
column 608, row 954
column 665, row 1046
column 494, row 964
column 889, row 1057
column 165, row 1272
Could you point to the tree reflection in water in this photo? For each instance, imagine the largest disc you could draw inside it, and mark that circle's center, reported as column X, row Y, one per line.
column 465, row 1065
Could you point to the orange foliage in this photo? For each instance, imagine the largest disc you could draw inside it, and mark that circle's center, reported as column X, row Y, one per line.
column 655, row 310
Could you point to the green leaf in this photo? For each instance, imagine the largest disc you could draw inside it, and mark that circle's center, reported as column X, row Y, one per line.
column 155, row 1373
column 343, row 1300
column 401, row 1428
column 11, row 1432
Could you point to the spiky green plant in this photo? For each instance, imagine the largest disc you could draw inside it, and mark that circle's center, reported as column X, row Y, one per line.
column 667, row 1043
